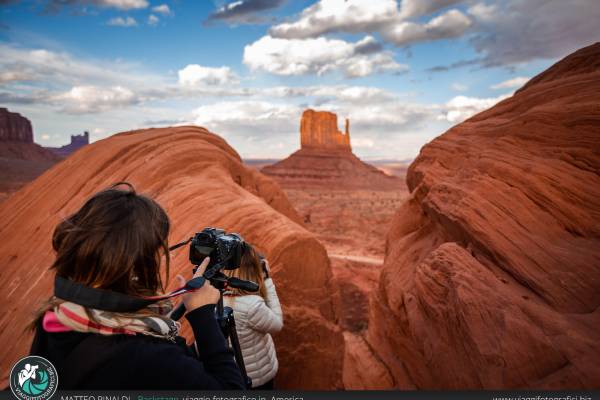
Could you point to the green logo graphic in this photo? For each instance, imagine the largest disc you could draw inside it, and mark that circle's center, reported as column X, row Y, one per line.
column 33, row 378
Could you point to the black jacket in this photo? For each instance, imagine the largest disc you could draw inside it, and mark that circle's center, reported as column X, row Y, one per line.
column 93, row 361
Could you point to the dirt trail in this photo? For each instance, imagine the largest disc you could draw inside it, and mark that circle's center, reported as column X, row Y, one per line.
column 360, row 259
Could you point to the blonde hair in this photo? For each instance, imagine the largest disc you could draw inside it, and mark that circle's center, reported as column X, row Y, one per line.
column 250, row 270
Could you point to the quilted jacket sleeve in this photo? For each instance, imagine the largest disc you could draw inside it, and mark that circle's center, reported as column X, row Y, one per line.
column 266, row 316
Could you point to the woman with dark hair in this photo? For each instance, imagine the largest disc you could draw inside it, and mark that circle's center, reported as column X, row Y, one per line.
column 257, row 316
column 114, row 246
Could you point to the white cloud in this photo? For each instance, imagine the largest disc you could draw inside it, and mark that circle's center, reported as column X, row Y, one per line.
column 120, row 21
column 92, row 99
column 460, row 108
column 247, row 113
column 45, row 137
column 418, row 8
column 162, row 9
column 56, row 5
column 383, row 16
column 319, row 56
column 195, row 75
column 513, row 83
column 514, row 31
column 14, row 76
column 459, row 87
column 153, row 20
column 483, row 12
column 451, row 24
column 361, row 142
column 124, row 4
column 337, row 15
column 244, row 11
column 54, row 68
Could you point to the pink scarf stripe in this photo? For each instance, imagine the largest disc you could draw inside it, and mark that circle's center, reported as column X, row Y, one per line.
column 91, row 324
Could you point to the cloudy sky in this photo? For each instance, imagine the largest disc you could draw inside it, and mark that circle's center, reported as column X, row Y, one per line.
column 403, row 71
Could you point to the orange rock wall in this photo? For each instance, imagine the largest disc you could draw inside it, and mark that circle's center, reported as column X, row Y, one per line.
column 492, row 269
column 200, row 180
column 319, row 129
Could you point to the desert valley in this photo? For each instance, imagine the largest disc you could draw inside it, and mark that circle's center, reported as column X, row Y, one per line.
column 477, row 266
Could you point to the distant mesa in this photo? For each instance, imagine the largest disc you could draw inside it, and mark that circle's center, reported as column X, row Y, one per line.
column 319, row 130
column 77, row 142
column 14, row 127
column 16, row 139
column 325, row 159
column 21, row 160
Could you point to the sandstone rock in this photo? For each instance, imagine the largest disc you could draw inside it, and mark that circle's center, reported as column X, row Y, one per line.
column 200, row 181
column 491, row 277
column 21, row 160
column 14, row 127
column 16, row 139
column 325, row 159
column 319, row 129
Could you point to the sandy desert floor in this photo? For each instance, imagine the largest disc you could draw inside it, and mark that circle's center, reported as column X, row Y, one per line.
column 349, row 223
column 352, row 225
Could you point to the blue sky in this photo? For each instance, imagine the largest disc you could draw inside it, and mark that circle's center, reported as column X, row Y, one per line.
column 402, row 71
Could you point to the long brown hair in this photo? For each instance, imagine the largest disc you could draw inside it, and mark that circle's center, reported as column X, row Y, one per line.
column 251, row 270
column 113, row 242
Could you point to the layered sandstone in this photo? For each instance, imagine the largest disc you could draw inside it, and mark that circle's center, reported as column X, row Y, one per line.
column 325, row 159
column 491, row 276
column 16, row 139
column 319, row 130
column 21, row 160
column 200, row 180
column 14, row 127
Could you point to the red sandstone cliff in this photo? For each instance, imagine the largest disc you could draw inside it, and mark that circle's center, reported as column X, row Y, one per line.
column 21, row 160
column 492, row 269
column 14, row 127
column 16, row 139
column 325, row 159
column 200, row 181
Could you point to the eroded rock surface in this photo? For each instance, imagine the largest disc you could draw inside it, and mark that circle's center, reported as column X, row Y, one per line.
column 200, row 180
column 492, row 269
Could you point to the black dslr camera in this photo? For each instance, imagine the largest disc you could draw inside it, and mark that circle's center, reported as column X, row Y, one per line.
column 224, row 249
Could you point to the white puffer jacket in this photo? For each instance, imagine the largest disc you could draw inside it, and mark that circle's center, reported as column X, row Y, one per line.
column 255, row 320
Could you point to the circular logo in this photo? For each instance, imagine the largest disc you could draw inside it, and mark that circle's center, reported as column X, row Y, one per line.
column 33, row 378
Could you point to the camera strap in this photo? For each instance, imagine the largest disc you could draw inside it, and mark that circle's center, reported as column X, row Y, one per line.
column 107, row 300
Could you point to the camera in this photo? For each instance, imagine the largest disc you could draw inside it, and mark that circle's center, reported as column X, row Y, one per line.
column 224, row 249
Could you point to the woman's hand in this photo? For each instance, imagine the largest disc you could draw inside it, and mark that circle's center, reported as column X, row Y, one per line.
column 207, row 294
column 265, row 267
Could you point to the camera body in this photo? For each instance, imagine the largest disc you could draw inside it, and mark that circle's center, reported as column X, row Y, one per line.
column 225, row 249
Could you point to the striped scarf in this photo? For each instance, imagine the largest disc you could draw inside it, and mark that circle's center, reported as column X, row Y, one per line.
column 82, row 319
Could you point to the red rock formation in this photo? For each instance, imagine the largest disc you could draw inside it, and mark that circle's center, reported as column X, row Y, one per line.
column 21, row 160
column 319, row 129
column 200, row 181
column 14, row 127
column 491, row 277
column 325, row 159
column 16, row 139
